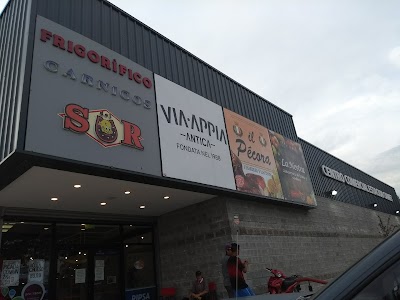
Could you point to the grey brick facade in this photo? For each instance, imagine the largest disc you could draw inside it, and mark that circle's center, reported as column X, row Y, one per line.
column 321, row 242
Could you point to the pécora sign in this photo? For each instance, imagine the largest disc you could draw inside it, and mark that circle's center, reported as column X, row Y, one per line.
column 102, row 126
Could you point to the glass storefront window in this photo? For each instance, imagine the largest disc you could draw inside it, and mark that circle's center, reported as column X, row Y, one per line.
column 138, row 234
column 140, row 281
column 88, row 261
column 25, row 259
column 72, row 265
column 91, row 261
column 139, row 266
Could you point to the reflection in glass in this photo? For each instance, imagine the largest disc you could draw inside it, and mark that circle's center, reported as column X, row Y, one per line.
column 87, row 234
column 139, row 267
column 25, row 257
column 72, row 274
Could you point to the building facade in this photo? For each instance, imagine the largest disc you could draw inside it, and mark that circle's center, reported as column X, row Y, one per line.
column 124, row 160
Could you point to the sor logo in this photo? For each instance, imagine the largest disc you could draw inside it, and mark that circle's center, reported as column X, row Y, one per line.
column 102, row 126
column 105, row 128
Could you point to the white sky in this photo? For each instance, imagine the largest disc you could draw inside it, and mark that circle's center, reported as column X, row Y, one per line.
column 333, row 64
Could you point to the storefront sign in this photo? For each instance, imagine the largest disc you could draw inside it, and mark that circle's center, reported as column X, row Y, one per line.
column 252, row 159
column 148, row 293
column 354, row 182
column 194, row 144
column 292, row 169
column 102, row 126
column 36, row 270
column 86, row 100
column 10, row 273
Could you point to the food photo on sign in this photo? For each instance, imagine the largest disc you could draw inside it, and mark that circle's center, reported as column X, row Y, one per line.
column 292, row 169
column 253, row 162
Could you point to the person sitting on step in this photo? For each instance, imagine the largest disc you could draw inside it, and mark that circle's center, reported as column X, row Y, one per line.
column 199, row 289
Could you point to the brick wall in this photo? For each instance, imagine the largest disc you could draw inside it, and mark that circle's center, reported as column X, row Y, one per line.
column 192, row 239
column 321, row 242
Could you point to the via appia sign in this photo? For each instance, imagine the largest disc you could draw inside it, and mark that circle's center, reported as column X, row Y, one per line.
column 354, row 182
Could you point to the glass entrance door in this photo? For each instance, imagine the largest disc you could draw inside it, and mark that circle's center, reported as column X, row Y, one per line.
column 88, row 274
column 106, row 274
column 72, row 275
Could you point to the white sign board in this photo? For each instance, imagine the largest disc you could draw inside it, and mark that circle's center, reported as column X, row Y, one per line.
column 10, row 273
column 193, row 139
column 36, row 270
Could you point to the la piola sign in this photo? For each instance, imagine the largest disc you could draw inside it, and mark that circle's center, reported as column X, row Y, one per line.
column 354, row 182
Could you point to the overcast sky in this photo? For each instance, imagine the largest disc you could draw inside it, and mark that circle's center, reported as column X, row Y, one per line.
column 334, row 65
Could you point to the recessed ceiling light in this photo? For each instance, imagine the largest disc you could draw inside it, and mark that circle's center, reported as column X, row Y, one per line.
column 103, row 203
column 66, row 257
column 83, row 229
column 127, row 192
column 54, row 199
column 76, row 260
column 83, row 224
column 126, row 246
column 142, row 237
column 130, row 225
column 142, row 207
column 46, row 228
column 166, row 197
column 84, row 254
column 397, row 211
column 77, row 186
column 80, row 252
column 22, row 222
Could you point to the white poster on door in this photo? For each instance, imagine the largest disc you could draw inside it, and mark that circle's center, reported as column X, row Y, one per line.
column 80, row 275
column 36, row 270
column 193, row 139
column 10, row 272
column 98, row 273
column 99, row 270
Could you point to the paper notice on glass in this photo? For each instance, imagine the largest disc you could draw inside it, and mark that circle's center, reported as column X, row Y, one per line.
column 99, row 263
column 98, row 273
column 10, row 273
column 80, row 275
column 36, row 270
